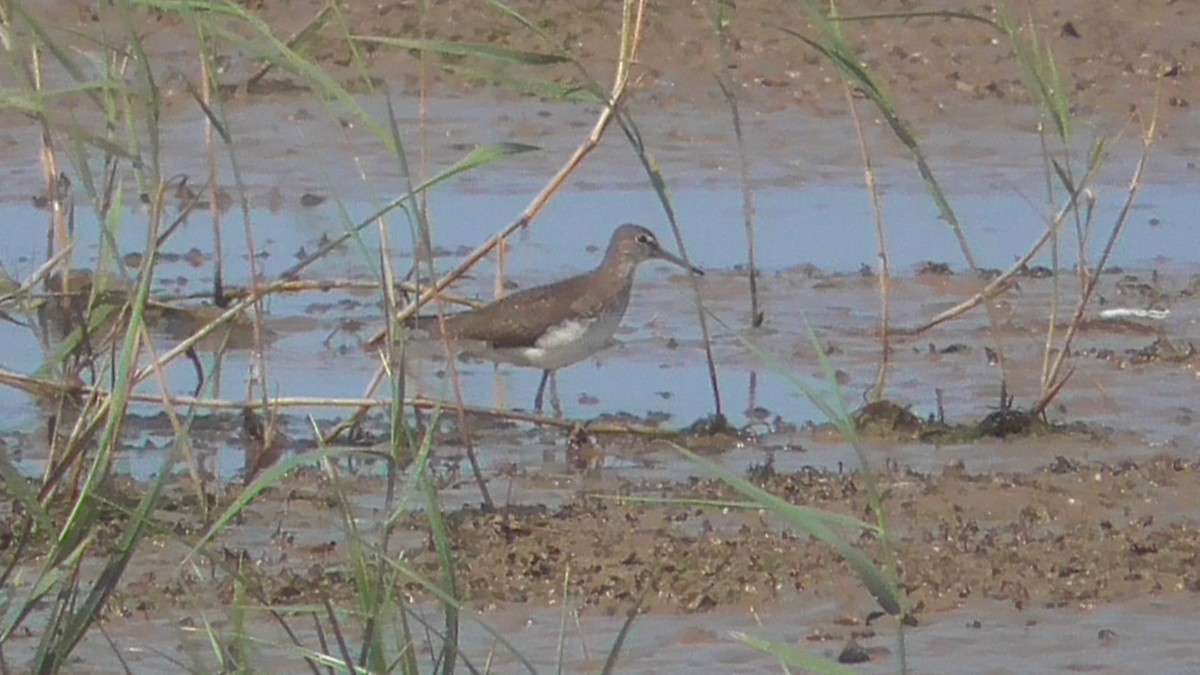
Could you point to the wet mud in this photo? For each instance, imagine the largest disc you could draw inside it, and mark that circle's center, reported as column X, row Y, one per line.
column 1070, row 535
column 987, row 504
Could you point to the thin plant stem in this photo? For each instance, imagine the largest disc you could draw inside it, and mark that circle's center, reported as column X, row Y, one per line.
column 607, row 114
column 1006, row 280
column 539, row 201
column 885, row 273
column 727, row 80
column 1135, row 185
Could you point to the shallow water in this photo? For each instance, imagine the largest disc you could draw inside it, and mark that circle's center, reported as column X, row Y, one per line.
column 809, row 213
column 821, row 224
column 1150, row 635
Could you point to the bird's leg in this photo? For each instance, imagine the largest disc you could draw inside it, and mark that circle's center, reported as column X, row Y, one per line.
column 554, row 402
column 537, row 401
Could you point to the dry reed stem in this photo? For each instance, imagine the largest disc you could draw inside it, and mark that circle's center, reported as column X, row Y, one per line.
column 1135, row 186
column 232, row 312
column 206, row 104
column 312, row 27
column 1055, row 247
column 180, row 430
column 1003, row 282
column 42, row 387
column 38, row 276
column 425, row 239
column 620, row 82
column 727, row 80
column 607, row 114
column 322, row 286
column 885, row 274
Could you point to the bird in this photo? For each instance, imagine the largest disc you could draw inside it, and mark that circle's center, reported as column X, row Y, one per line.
column 561, row 323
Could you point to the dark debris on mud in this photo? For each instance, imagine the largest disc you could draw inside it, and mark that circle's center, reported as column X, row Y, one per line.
column 890, row 421
column 1065, row 535
column 1071, row 534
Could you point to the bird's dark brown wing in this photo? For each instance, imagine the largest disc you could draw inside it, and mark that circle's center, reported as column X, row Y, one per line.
column 518, row 320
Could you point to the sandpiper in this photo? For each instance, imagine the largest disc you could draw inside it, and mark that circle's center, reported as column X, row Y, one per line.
column 561, row 323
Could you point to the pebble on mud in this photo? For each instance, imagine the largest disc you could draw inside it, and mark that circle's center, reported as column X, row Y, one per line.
column 309, row 200
column 853, row 653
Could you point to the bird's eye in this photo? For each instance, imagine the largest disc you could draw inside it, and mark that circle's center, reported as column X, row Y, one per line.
column 645, row 239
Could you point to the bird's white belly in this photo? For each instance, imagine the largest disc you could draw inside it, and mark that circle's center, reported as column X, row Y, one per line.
column 571, row 341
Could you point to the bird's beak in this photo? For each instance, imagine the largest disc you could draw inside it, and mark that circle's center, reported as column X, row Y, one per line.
column 676, row 260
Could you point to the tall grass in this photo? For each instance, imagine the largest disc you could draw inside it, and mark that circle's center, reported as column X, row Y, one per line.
column 92, row 370
column 1045, row 89
column 124, row 90
column 1052, row 109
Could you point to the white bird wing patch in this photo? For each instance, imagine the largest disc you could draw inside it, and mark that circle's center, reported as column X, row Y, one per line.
column 566, row 333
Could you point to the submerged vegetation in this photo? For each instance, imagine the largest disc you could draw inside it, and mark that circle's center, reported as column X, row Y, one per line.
column 113, row 351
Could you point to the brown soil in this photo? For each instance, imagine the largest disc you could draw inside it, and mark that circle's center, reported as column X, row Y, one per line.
column 1113, row 61
column 1128, row 57
column 1068, row 535
column 1072, row 534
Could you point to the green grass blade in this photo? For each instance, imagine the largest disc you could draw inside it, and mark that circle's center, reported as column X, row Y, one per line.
column 275, row 50
column 794, row 657
column 486, row 51
column 1039, row 74
column 47, row 581
column 19, row 488
column 89, row 612
column 816, row 524
column 60, row 53
column 266, row 479
column 81, row 515
column 97, row 318
column 476, row 159
column 442, row 544
column 568, row 92
column 847, row 61
column 437, row 591
column 367, row 590
column 610, row 663
column 1098, row 154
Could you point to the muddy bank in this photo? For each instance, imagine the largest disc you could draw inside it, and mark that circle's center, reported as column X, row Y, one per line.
column 1111, row 61
column 1073, row 534
column 956, row 80
column 997, row 523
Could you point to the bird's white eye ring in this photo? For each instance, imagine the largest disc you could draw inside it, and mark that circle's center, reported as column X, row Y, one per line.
column 645, row 239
